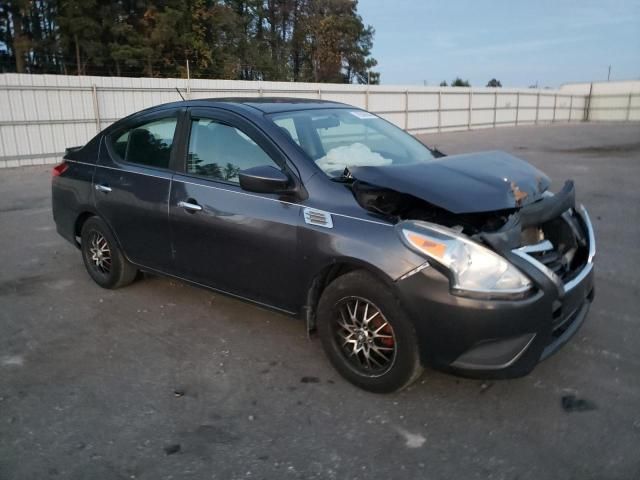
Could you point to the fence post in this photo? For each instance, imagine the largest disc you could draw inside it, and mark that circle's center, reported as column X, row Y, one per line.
column 406, row 109
column 517, row 106
column 555, row 102
column 366, row 98
column 587, row 112
column 629, row 107
column 319, row 94
column 439, row 110
column 96, row 106
column 470, row 108
column 260, row 92
column 495, row 108
column 570, row 108
column 537, row 107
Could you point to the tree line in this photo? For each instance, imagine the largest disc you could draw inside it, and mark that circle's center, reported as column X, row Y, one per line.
column 277, row 40
column 459, row 82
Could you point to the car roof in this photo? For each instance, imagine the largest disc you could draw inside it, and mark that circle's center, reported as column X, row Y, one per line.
column 262, row 104
column 281, row 104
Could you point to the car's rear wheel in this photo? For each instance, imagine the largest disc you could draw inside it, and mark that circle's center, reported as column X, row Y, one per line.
column 102, row 257
column 366, row 334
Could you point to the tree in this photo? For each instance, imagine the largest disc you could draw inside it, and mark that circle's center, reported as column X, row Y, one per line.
column 28, row 35
column 288, row 40
column 458, row 82
column 374, row 78
column 443, row 83
column 494, row 83
column 80, row 32
column 17, row 39
column 338, row 44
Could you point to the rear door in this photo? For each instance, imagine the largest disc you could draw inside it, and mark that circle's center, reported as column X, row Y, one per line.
column 132, row 184
column 241, row 242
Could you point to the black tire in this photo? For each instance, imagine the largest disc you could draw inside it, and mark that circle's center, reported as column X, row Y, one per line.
column 114, row 273
column 402, row 367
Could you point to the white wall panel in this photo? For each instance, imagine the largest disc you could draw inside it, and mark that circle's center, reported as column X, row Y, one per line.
column 41, row 115
column 481, row 117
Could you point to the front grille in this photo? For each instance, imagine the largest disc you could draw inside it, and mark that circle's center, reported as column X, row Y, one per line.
column 565, row 264
column 553, row 260
column 563, row 249
column 565, row 246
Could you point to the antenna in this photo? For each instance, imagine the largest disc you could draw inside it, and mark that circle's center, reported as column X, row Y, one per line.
column 188, row 81
column 179, row 93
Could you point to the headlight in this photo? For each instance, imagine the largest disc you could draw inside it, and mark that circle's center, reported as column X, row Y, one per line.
column 473, row 270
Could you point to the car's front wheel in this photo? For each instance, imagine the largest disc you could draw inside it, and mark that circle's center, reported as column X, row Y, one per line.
column 366, row 334
column 102, row 257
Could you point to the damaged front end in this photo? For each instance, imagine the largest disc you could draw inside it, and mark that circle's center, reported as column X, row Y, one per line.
column 556, row 239
column 550, row 233
column 539, row 252
column 492, row 198
column 477, row 192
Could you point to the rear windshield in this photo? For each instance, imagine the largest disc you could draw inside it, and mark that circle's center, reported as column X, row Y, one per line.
column 341, row 138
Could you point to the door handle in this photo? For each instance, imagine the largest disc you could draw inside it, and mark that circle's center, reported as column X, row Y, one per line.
column 103, row 188
column 190, row 207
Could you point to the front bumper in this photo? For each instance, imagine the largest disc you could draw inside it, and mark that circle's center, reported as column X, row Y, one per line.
column 498, row 338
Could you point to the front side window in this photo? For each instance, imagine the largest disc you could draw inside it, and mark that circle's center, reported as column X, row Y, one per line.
column 341, row 138
column 220, row 151
column 148, row 144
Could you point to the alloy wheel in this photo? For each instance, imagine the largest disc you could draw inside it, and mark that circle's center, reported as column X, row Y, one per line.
column 99, row 253
column 364, row 336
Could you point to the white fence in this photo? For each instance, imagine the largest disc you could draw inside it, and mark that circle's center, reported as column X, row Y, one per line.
column 41, row 115
column 609, row 101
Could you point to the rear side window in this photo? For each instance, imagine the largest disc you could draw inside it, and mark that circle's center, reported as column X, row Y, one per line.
column 148, row 144
column 220, row 151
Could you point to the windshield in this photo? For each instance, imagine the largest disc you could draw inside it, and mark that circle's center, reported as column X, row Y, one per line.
column 342, row 138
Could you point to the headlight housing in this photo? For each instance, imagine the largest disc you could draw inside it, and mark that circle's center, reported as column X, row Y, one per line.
column 473, row 269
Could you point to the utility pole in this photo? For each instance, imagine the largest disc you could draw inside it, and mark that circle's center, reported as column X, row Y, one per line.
column 609, row 74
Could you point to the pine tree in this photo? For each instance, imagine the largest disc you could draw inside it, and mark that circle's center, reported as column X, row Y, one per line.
column 289, row 40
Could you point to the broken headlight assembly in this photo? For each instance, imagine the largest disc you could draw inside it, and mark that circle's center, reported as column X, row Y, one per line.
column 473, row 270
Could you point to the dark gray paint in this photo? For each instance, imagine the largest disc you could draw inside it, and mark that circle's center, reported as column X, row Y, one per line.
column 96, row 390
column 469, row 183
column 258, row 246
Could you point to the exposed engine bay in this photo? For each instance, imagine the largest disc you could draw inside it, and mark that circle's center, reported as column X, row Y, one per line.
column 548, row 222
column 400, row 206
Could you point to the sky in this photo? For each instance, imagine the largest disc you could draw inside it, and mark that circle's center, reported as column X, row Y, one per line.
column 518, row 42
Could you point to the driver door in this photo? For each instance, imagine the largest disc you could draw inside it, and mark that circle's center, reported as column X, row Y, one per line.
column 224, row 237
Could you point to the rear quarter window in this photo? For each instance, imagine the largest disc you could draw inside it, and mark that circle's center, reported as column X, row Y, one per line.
column 147, row 144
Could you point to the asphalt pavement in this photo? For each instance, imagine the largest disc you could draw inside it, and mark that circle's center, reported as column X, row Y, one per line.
column 161, row 380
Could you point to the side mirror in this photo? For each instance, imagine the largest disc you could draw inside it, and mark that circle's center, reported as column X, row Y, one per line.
column 265, row 179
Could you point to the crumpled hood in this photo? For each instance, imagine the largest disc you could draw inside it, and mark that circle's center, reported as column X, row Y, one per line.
column 468, row 183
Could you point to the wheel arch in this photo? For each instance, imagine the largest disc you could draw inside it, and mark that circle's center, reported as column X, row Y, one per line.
column 329, row 273
column 86, row 214
column 81, row 218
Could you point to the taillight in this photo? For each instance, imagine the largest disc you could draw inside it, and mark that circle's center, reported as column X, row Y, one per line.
column 59, row 169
